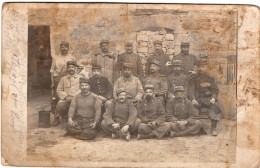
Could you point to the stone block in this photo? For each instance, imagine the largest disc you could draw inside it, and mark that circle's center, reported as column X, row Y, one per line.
column 142, row 38
column 169, row 37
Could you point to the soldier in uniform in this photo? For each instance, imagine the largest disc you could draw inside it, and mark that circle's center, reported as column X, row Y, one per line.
column 59, row 69
column 177, row 78
column 84, row 113
column 120, row 117
column 106, row 59
column 189, row 61
column 159, row 81
column 160, row 56
column 152, row 114
column 204, row 94
column 130, row 57
column 132, row 85
column 182, row 116
column 67, row 88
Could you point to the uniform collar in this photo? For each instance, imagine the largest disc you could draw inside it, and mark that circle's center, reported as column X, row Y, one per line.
column 128, row 79
column 108, row 54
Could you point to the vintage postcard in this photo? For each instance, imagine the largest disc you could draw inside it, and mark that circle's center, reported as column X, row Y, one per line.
column 130, row 85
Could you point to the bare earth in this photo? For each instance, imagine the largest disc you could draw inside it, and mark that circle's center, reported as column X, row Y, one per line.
column 50, row 144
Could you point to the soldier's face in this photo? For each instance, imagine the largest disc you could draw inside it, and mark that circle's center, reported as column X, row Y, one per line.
column 96, row 72
column 179, row 95
column 129, row 49
column 177, row 69
column 185, row 49
column 202, row 68
column 122, row 97
column 154, row 68
column 64, row 49
column 149, row 93
column 127, row 72
column 84, row 87
column 157, row 47
column 104, row 47
column 71, row 69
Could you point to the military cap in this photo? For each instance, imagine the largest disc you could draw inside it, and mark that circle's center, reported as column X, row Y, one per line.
column 155, row 62
column 83, row 80
column 96, row 66
column 177, row 63
column 120, row 90
column 127, row 65
column 157, row 42
column 185, row 44
column 104, row 42
column 71, row 63
column 148, row 86
column 64, row 43
column 178, row 89
column 129, row 44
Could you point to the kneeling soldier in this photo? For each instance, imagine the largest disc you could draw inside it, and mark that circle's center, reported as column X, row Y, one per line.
column 152, row 114
column 182, row 115
column 120, row 117
column 84, row 113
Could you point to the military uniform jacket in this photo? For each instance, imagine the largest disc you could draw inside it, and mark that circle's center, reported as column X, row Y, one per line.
column 151, row 111
column 203, row 88
column 123, row 113
column 189, row 61
column 101, row 86
column 163, row 59
column 183, row 110
column 134, row 60
column 178, row 80
column 159, row 82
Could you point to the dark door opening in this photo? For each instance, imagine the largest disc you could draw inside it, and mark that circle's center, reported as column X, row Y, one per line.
column 39, row 61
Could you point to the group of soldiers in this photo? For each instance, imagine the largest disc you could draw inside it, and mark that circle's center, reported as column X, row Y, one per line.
column 168, row 98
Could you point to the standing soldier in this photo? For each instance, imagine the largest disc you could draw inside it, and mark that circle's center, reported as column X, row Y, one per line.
column 84, row 113
column 107, row 60
column 132, row 85
column 59, row 69
column 177, row 78
column 189, row 61
column 160, row 56
column 159, row 81
column 182, row 115
column 130, row 57
column 204, row 95
column 67, row 88
column 152, row 114
column 120, row 118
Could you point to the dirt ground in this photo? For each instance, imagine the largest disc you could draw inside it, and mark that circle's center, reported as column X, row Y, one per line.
column 51, row 144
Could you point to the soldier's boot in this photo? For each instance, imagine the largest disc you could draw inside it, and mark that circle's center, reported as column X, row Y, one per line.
column 56, row 122
column 147, row 136
column 127, row 137
column 213, row 128
column 180, row 134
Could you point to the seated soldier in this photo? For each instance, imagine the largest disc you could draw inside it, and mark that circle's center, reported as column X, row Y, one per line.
column 100, row 86
column 204, row 94
column 120, row 117
column 152, row 114
column 84, row 113
column 182, row 115
column 67, row 88
column 177, row 78
column 131, row 84
column 158, row 80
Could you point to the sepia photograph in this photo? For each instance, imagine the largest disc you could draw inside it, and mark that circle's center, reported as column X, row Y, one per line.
column 130, row 85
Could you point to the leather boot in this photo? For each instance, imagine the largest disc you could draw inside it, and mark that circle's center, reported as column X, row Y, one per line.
column 56, row 122
column 213, row 128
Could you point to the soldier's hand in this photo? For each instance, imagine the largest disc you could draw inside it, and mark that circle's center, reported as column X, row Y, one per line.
column 152, row 124
column 70, row 122
column 182, row 124
column 125, row 129
column 212, row 101
column 168, row 63
column 115, row 126
column 93, row 125
column 68, row 98
column 192, row 72
column 103, row 99
column 194, row 102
